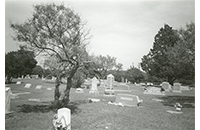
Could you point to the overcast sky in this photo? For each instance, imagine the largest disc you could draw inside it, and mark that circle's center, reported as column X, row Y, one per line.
column 124, row 29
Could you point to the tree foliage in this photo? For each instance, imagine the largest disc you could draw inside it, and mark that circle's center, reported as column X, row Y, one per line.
column 56, row 30
column 135, row 75
column 38, row 70
column 18, row 63
column 104, row 64
column 172, row 55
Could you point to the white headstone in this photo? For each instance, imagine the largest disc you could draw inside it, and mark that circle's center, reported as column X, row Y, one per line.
column 7, row 99
column 18, row 82
column 27, row 85
column 38, row 87
column 110, row 80
column 64, row 115
column 94, row 89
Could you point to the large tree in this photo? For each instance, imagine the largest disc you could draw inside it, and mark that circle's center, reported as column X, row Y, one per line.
column 18, row 63
column 156, row 62
column 56, row 30
column 182, row 55
column 172, row 56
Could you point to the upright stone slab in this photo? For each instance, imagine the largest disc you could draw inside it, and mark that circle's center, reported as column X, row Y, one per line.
column 64, row 115
column 7, row 99
column 176, row 88
column 109, row 85
column 27, row 85
column 128, row 100
column 94, row 89
column 166, row 86
column 110, row 80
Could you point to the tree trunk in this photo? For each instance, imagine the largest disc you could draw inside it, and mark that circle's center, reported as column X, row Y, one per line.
column 57, row 93
column 66, row 99
column 8, row 78
column 171, row 80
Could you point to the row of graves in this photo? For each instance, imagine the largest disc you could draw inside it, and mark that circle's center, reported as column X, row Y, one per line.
column 166, row 87
column 121, row 99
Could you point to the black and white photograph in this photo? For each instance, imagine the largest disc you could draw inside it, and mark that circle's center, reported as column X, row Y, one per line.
column 99, row 65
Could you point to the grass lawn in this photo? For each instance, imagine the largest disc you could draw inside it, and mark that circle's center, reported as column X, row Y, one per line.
column 151, row 115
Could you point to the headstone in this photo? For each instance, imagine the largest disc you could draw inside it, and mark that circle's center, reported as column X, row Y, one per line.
column 176, row 88
column 27, row 85
column 126, row 81
column 94, row 89
column 109, row 86
column 128, row 100
column 38, row 87
column 185, row 88
column 79, row 90
column 109, row 92
column 7, row 99
column 110, row 80
column 153, row 91
column 166, row 86
column 34, row 99
column 49, row 89
column 27, row 76
column 18, row 82
column 64, row 115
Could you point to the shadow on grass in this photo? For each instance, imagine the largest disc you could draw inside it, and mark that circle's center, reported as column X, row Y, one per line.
column 47, row 107
column 185, row 101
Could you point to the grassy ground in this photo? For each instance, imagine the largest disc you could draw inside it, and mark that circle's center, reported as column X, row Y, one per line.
column 151, row 115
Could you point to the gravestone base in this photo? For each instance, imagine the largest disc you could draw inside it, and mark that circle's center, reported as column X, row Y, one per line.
column 154, row 93
column 176, row 91
column 96, row 92
column 109, row 92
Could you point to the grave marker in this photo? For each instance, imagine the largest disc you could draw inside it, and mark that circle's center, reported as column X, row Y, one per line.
column 7, row 99
column 64, row 115
column 18, row 82
column 185, row 88
column 110, row 80
column 166, row 86
column 38, row 87
column 94, row 89
column 176, row 88
column 79, row 90
column 109, row 86
column 128, row 100
column 27, row 85
column 153, row 91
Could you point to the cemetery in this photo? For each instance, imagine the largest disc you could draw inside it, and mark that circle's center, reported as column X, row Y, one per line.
column 32, row 109
column 59, row 75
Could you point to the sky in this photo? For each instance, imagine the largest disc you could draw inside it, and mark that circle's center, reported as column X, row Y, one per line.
column 123, row 29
